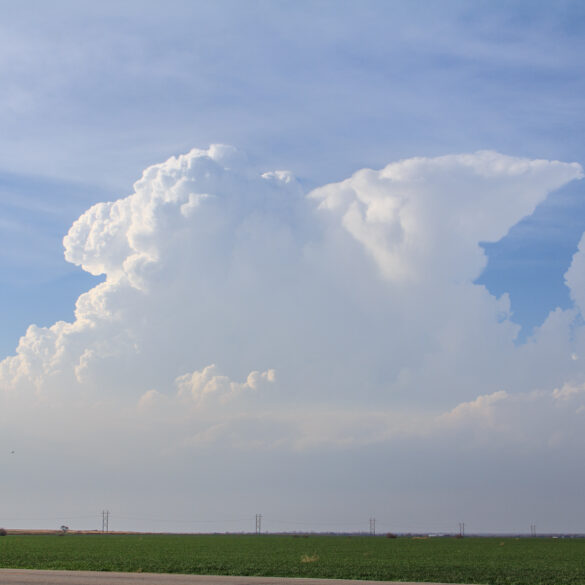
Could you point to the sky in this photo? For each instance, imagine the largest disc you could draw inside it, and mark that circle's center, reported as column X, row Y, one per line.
column 319, row 261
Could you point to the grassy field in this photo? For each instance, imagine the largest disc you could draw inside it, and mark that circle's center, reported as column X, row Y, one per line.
column 448, row 560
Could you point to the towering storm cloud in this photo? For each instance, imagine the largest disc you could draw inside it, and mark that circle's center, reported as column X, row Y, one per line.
column 238, row 311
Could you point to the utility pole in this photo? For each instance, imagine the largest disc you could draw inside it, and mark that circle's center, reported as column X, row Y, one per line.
column 372, row 526
column 105, row 521
column 258, row 523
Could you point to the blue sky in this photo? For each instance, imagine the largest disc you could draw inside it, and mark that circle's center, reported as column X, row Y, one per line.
column 92, row 94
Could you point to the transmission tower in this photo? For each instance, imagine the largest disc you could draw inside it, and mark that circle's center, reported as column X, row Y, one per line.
column 258, row 523
column 105, row 521
column 372, row 527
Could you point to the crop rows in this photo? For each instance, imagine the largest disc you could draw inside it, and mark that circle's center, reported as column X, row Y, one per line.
column 447, row 560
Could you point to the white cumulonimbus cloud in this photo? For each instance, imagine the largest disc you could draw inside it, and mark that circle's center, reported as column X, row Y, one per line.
column 423, row 218
column 349, row 312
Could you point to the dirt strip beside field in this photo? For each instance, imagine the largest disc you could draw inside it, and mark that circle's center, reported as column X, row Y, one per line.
column 34, row 577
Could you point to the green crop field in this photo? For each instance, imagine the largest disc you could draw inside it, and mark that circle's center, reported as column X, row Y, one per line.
column 448, row 560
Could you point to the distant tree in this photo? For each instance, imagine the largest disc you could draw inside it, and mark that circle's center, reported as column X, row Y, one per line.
column 64, row 529
column 3, row 532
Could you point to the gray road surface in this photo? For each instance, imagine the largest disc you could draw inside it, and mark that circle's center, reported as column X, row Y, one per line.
column 28, row 577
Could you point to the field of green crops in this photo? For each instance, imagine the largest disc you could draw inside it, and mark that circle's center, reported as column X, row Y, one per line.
column 447, row 560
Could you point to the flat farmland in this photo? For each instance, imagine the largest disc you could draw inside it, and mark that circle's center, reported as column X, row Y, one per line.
column 509, row 561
